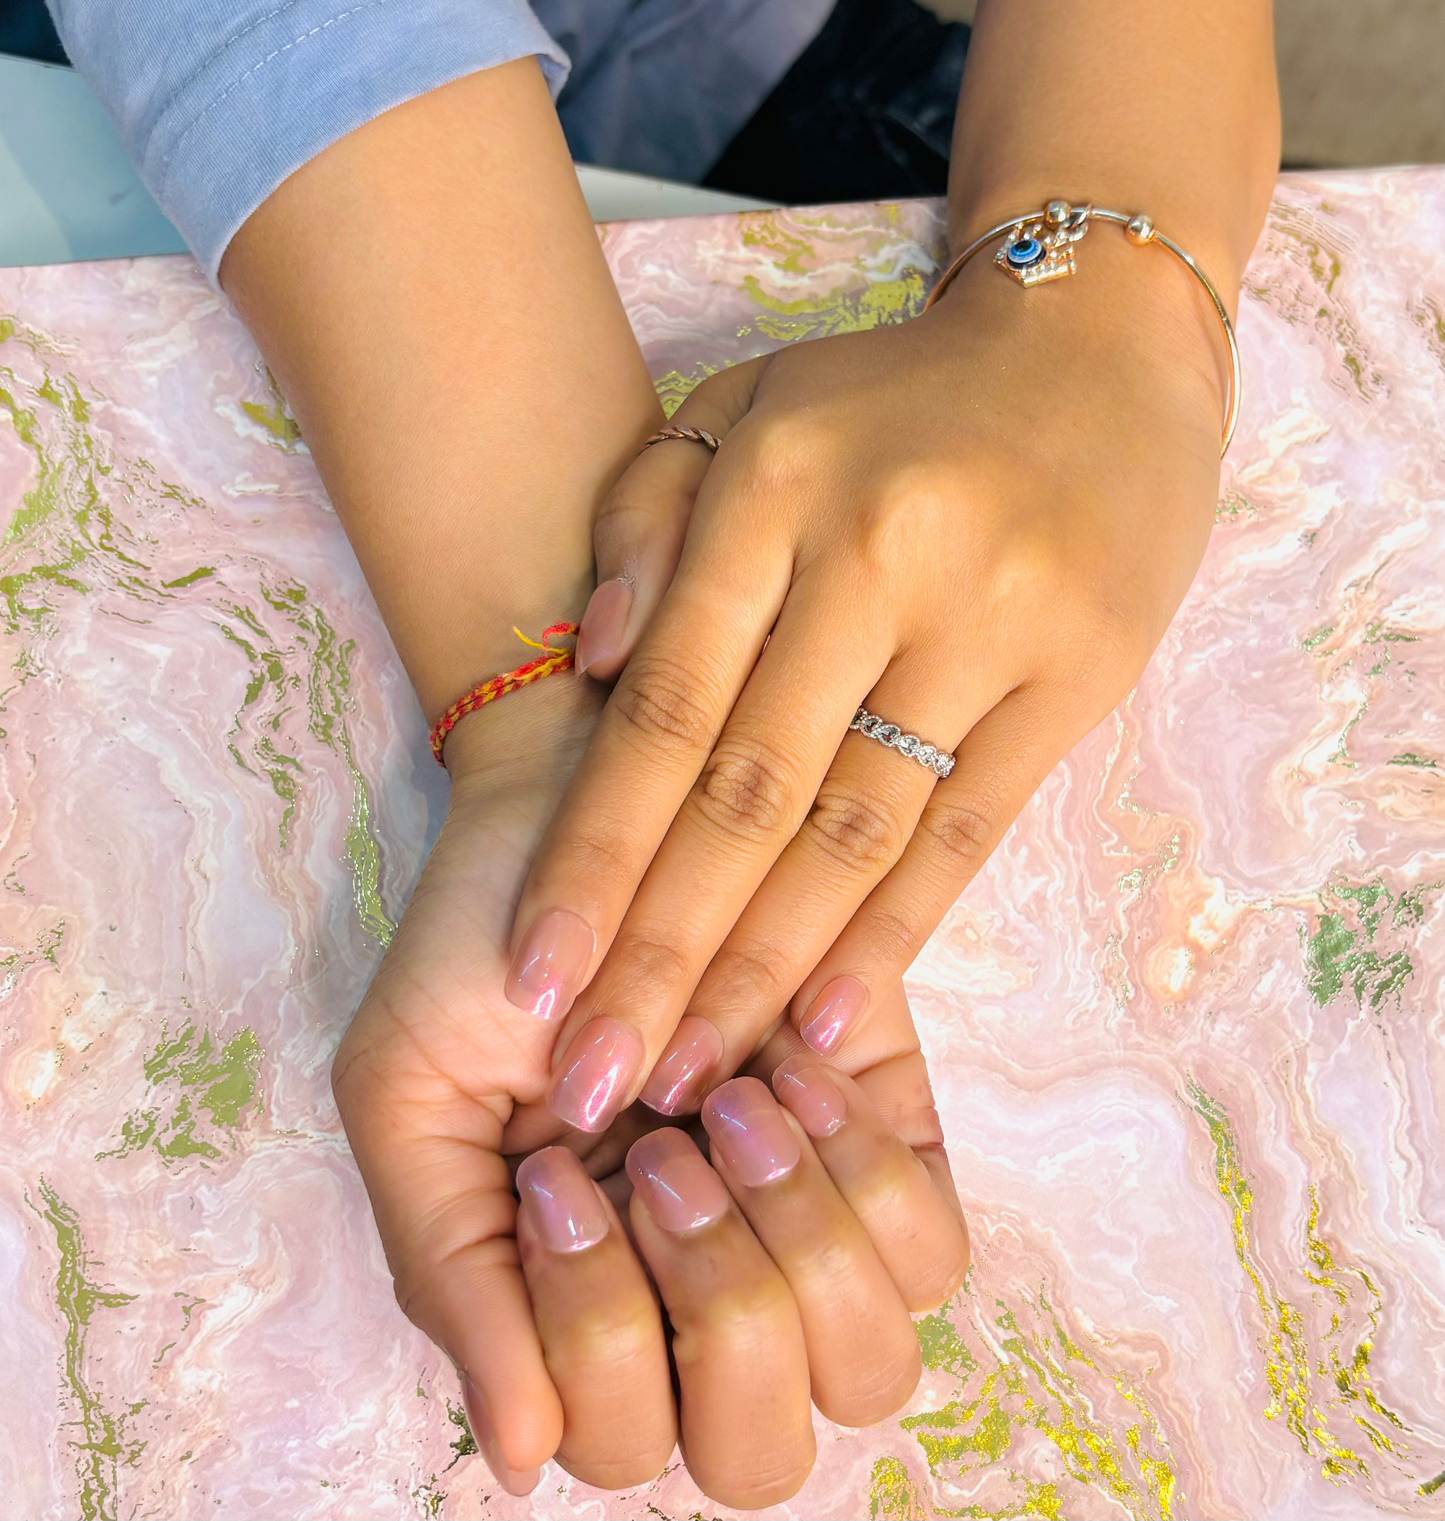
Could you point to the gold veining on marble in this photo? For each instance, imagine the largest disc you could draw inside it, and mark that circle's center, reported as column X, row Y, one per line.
column 101, row 1445
column 1313, row 1379
column 1341, row 951
column 1018, row 1383
column 304, row 667
column 225, row 1077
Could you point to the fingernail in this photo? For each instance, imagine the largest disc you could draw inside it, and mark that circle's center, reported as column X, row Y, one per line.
column 832, row 1012
column 744, row 1122
column 604, row 624
column 561, row 1200
column 680, row 1191
column 692, row 1054
column 516, row 1481
column 547, row 971
column 591, row 1086
column 813, row 1097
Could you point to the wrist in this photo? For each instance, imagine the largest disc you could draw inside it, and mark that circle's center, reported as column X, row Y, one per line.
column 1130, row 312
column 530, row 738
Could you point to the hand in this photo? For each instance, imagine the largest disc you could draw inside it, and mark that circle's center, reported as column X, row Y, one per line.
column 427, row 1079
column 786, row 1269
column 978, row 524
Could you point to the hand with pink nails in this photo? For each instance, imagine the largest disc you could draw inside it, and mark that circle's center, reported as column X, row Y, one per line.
column 548, row 1308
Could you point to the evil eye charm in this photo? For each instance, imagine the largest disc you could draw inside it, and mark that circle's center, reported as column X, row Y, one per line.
column 1024, row 253
column 1038, row 250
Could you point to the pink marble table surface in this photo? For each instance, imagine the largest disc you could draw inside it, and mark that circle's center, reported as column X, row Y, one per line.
column 1186, row 1029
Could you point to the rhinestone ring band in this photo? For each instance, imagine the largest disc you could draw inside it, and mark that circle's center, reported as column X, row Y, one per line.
column 873, row 727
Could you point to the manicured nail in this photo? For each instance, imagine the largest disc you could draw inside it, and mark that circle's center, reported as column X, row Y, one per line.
column 746, row 1126
column 547, row 971
column 692, row 1055
column 677, row 1187
column 516, row 1481
column 833, row 1012
column 604, row 624
column 561, row 1200
column 591, row 1084
column 815, row 1099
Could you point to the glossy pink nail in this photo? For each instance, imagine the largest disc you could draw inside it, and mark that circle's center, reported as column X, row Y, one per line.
column 691, row 1057
column 676, row 1186
column 591, row 1084
column 516, row 1481
column 561, row 1201
column 547, row 971
column 833, row 1012
column 748, row 1131
column 604, row 625
column 808, row 1090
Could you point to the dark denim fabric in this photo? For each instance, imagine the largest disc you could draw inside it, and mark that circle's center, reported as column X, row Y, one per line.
column 865, row 114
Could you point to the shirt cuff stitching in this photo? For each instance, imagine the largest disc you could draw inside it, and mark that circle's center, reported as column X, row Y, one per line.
column 237, row 83
column 235, row 37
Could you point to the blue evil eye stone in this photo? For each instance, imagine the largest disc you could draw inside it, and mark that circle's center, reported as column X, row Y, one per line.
column 1024, row 253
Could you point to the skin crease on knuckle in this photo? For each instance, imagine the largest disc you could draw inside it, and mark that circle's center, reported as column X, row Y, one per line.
column 749, row 791
column 663, row 704
column 862, row 838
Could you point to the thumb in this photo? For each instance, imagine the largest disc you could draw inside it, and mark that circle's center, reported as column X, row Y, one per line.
column 642, row 525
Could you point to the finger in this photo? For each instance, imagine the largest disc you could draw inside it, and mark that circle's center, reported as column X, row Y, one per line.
column 742, row 1365
column 639, row 532
column 599, row 1323
column 857, row 828
column 655, row 735
column 914, row 1228
column 444, row 1207
column 1000, row 765
column 883, row 1058
column 752, row 795
column 863, row 1355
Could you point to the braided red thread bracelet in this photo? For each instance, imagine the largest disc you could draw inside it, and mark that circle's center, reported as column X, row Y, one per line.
column 548, row 663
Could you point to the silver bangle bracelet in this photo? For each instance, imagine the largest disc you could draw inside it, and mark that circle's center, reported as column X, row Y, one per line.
column 1040, row 247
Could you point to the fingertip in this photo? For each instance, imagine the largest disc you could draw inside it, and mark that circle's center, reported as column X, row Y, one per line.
column 602, row 638
column 672, row 1181
column 520, row 1480
column 811, row 1094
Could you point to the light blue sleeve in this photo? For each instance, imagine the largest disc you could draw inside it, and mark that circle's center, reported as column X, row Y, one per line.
column 217, row 101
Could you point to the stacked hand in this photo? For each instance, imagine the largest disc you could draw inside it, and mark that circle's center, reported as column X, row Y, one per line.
column 948, row 521
column 978, row 524
column 786, row 1269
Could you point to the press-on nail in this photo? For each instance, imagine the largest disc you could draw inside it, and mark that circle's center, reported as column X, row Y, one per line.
column 676, row 1186
column 746, row 1126
column 833, row 1012
column 810, row 1093
column 547, row 971
column 561, row 1200
column 604, row 625
column 691, row 1057
column 516, row 1481
column 592, row 1083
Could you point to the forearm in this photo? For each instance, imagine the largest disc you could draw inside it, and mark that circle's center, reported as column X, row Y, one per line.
column 432, row 298
column 1138, row 105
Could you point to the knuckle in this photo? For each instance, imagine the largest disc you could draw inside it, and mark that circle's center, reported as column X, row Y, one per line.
column 747, row 791
column 965, row 832
column 642, row 961
column 894, row 939
column 660, row 703
column 741, row 981
column 854, row 832
column 741, row 1317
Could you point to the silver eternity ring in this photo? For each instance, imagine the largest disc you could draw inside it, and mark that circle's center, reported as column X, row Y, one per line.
column 940, row 762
